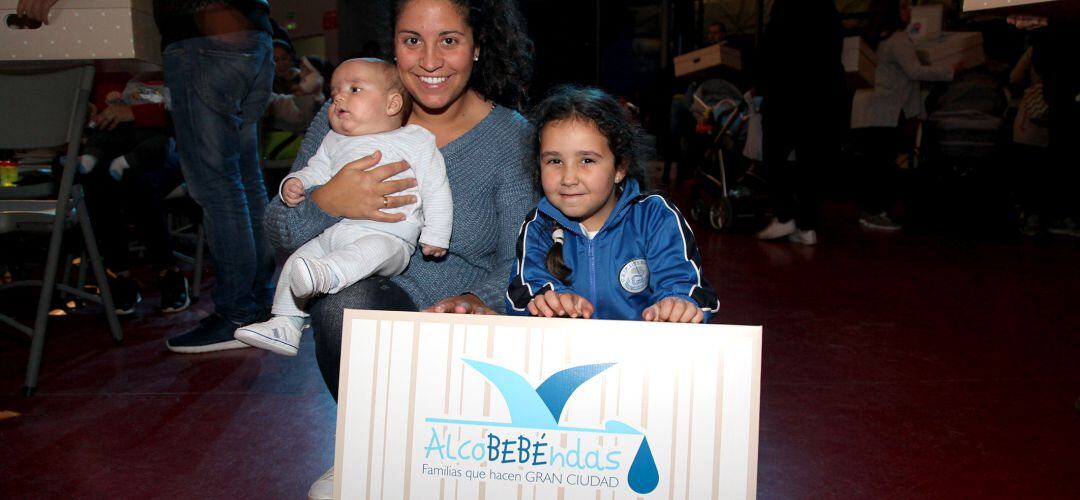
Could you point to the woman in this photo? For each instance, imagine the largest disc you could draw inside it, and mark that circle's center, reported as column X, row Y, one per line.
column 876, row 113
column 465, row 65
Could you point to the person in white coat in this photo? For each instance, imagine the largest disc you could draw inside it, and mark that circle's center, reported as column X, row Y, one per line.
column 876, row 113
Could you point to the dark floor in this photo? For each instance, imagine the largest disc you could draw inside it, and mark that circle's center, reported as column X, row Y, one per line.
column 905, row 365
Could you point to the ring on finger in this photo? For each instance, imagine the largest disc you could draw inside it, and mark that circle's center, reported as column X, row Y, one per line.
column 385, row 202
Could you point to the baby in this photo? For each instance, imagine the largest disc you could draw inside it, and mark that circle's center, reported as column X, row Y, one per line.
column 366, row 114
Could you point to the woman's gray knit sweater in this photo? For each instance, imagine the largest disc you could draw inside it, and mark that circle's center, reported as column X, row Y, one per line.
column 490, row 169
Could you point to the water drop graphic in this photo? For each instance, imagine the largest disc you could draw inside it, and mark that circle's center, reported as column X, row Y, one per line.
column 643, row 476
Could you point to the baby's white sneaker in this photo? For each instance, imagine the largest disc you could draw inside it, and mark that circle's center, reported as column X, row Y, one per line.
column 310, row 277
column 281, row 335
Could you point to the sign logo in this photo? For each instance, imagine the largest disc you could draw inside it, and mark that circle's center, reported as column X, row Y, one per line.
column 634, row 276
column 539, row 409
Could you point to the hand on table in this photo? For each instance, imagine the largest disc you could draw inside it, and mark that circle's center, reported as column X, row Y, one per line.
column 673, row 310
column 551, row 304
column 465, row 303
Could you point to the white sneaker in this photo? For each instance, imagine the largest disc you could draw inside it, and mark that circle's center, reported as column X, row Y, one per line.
column 879, row 221
column 777, row 229
column 278, row 335
column 801, row 237
column 309, row 277
column 322, row 488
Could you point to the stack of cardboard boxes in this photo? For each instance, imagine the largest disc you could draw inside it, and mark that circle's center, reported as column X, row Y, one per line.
column 943, row 48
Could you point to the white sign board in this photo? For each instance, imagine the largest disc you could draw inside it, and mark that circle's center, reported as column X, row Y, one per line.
column 454, row 406
column 973, row 5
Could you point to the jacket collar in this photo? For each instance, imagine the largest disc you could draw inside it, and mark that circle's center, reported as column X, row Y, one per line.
column 630, row 193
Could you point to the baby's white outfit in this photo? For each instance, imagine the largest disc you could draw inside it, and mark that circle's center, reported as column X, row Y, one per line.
column 356, row 249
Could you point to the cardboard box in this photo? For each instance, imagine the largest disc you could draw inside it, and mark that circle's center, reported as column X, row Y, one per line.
column 119, row 33
column 974, row 5
column 950, row 47
column 708, row 61
column 926, row 20
column 860, row 63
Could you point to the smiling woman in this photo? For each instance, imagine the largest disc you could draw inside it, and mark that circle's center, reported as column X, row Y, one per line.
column 466, row 65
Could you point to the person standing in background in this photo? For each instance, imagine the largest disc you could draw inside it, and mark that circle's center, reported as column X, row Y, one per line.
column 219, row 70
column 802, row 82
column 876, row 113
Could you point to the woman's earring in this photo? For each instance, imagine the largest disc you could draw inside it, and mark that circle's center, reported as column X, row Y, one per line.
column 476, row 58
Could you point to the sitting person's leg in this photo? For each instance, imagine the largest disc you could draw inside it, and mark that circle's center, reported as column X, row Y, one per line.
column 105, row 207
column 155, row 172
column 327, row 318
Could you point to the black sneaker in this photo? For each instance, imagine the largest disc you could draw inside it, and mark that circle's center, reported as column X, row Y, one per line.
column 214, row 333
column 174, row 291
column 125, row 293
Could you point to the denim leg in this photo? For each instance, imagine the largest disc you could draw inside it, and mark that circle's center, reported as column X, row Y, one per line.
column 327, row 316
column 219, row 87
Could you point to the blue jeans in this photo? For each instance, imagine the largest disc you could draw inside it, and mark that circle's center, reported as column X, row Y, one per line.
column 328, row 319
column 219, row 86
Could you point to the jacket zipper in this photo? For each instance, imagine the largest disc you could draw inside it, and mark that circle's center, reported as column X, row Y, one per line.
column 592, row 275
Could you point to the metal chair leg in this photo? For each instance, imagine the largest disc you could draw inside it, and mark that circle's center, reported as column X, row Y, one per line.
column 48, row 282
column 99, row 271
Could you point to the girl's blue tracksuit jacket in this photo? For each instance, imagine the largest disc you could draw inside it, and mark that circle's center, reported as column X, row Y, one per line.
column 645, row 252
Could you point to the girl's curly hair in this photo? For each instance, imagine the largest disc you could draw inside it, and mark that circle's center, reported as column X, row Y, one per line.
column 505, row 67
column 589, row 104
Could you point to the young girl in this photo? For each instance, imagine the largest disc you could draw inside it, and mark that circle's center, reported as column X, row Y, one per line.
column 596, row 246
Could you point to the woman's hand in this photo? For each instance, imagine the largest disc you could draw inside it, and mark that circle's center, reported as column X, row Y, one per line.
column 357, row 193
column 465, row 303
column 35, row 9
column 551, row 304
column 673, row 310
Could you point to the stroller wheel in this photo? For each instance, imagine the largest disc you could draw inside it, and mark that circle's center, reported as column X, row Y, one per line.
column 721, row 214
column 699, row 210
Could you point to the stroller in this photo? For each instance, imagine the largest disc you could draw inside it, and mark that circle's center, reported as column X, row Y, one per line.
column 730, row 126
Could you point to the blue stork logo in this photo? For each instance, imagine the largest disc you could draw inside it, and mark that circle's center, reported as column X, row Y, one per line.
column 541, row 408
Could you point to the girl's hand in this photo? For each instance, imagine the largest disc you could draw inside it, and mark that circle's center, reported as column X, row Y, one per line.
column 357, row 193
column 551, row 304
column 465, row 303
column 292, row 192
column 673, row 310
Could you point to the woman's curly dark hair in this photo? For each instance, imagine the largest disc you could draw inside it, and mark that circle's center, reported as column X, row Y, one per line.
column 624, row 136
column 505, row 67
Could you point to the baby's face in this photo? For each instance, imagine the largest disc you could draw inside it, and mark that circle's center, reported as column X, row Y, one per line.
column 361, row 99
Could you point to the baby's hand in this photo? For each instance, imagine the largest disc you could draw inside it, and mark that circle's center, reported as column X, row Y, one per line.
column 551, row 304
column 673, row 310
column 432, row 251
column 292, row 192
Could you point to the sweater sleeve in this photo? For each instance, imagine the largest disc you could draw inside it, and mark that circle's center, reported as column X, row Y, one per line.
column 530, row 276
column 515, row 196
column 674, row 260
column 288, row 228
column 435, row 191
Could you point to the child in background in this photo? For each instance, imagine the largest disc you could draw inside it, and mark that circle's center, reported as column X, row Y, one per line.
column 596, row 246
column 366, row 115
